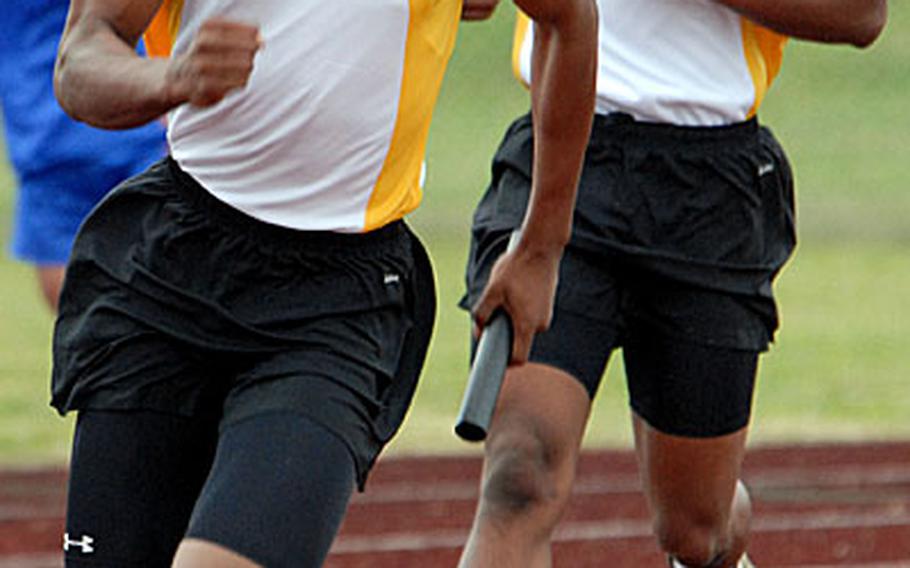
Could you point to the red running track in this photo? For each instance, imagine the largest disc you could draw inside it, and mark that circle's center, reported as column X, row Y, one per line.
column 820, row 505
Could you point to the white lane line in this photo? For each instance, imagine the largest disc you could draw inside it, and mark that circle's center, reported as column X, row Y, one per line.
column 32, row 561
column 838, row 476
column 613, row 530
column 895, row 564
column 829, row 477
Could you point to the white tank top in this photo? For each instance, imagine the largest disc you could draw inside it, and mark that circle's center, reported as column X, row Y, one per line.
column 684, row 62
column 331, row 131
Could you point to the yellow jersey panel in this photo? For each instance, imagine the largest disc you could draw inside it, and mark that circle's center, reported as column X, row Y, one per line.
column 432, row 28
column 764, row 51
column 162, row 31
column 519, row 45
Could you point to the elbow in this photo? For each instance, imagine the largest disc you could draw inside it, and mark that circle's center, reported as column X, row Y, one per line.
column 575, row 25
column 870, row 28
column 62, row 86
column 71, row 94
column 586, row 15
column 866, row 37
column 565, row 17
column 66, row 84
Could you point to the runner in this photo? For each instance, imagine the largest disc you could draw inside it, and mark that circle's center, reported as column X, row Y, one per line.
column 684, row 218
column 242, row 325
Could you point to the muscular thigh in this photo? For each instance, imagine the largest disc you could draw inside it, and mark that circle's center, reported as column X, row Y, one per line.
column 134, row 479
column 691, row 358
column 277, row 491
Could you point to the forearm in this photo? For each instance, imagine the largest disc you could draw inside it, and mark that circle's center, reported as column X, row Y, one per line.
column 523, row 281
column 473, row 10
column 857, row 22
column 99, row 79
column 562, row 101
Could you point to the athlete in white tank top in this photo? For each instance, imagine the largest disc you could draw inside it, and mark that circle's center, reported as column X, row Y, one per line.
column 313, row 115
column 684, row 67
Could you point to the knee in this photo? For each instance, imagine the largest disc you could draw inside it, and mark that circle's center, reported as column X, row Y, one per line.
column 706, row 538
column 692, row 544
column 697, row 538
column 523, row 479
column 50, row 279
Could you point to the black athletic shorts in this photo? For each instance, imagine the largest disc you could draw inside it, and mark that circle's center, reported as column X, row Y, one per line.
column 678, row 235
column 175, row 302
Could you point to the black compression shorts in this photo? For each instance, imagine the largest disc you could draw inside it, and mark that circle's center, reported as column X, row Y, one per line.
column 177, row 303
column 678, row 235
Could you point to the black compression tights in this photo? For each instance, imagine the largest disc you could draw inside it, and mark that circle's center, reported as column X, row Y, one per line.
column 272, row 488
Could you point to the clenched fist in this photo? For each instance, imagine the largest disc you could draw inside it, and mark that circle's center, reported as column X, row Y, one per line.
column 219, row 60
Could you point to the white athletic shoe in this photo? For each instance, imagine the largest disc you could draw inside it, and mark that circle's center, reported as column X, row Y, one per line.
column 744, row 562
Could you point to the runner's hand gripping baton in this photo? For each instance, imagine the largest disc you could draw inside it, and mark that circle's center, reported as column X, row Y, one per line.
column 485, row 379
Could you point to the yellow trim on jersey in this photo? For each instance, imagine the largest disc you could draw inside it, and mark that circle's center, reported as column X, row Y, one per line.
column 162, row 31
column 522, row 24
column 432, row 27
column 764, row 51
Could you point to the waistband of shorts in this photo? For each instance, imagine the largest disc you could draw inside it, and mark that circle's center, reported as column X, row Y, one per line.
column 275, row 236
column 623, row 125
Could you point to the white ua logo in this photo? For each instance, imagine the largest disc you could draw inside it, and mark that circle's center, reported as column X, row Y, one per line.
column 84, row 544
column 765, row 169
column 391, row 279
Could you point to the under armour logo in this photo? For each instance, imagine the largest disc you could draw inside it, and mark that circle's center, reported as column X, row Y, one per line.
column 84, row 544
column 765, row 169
column 391, row 279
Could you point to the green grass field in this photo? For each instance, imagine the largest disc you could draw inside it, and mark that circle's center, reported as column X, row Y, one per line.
column 840, row 367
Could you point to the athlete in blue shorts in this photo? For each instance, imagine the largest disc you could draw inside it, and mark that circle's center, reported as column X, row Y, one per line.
column 63, row 168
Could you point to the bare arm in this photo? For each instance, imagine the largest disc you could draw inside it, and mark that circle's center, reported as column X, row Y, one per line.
column 100, row 80
column 857, row 22
column 472, row 10
column 523, row 282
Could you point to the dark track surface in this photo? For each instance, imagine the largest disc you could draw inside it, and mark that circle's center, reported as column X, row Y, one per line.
column 820, row 505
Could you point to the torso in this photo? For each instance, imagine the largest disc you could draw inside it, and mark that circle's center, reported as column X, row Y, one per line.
column 684, row 62
column 331, row 131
